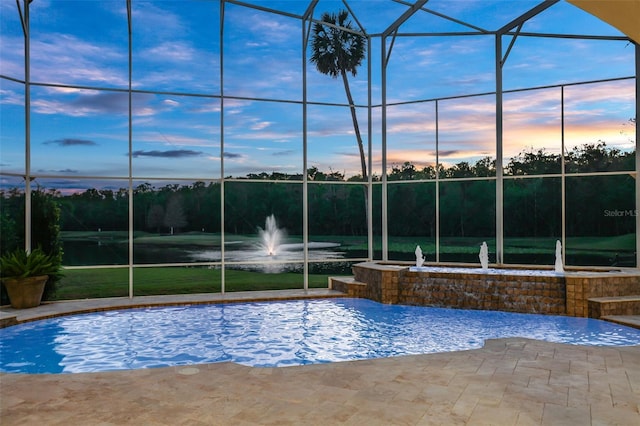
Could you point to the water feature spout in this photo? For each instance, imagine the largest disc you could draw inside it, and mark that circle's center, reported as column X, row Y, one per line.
column 484, row 255
column 270, row 236
column 559, row 267
column 419, row 257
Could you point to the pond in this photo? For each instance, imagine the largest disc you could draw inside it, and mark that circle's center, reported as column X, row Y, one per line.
column 289, row 257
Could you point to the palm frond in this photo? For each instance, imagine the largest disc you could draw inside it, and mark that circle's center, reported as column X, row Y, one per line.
column 334, row 50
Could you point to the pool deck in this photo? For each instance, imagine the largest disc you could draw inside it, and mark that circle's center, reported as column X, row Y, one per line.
column 511, row 381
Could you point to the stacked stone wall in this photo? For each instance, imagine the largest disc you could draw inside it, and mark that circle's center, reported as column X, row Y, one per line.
column 581, row 288
column 537, row 294
column 548, row 294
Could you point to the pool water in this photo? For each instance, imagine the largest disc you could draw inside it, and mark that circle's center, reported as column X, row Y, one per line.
column 269, row 334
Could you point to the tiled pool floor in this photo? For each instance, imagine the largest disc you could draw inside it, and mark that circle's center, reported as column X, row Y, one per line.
column 508, row 382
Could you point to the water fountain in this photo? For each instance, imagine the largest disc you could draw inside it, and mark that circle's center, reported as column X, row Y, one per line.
column 270, row 253
column 419, row 257
column 271, row 236
column 484, row 256
column 559, row 267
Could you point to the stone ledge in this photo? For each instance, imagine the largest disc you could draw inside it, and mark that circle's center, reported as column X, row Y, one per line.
column 612, row 299
column 600, row 307
column 8, row 320
column 339, row 283
column 348, row 285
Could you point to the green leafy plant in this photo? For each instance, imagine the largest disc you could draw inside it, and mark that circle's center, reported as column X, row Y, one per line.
column 21, row 264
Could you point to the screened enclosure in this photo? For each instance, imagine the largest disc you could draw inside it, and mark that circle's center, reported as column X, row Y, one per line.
column 209, row 146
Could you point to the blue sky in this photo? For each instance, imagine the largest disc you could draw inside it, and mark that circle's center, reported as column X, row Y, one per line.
column 78, row 131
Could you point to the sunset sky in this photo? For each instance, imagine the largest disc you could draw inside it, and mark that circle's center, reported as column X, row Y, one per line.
column 77, row 131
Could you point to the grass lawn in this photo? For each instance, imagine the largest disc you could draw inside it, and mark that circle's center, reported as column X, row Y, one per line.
column 114, row 282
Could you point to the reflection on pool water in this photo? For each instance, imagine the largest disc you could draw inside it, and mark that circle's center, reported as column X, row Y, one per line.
column 276, row 334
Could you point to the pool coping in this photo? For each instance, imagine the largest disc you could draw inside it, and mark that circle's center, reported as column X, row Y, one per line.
column 10, row 316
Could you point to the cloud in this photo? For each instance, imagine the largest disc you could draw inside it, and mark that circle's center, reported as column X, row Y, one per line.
column 281, row 136
column 231, row 155
column 11, row 97
column 171, row 103
column 70, row 142
column 274, row 29
column 208, row 106
column 163, row 21
column 172, row 51
column 103, row 102
column 63, row 171
column 12, row 55
column 172, row 139
column 265, row 60
column 426, row 158
column 77, row 60
column 84, row 103
column 174, row 153
column 259, row 125
column 619, row 91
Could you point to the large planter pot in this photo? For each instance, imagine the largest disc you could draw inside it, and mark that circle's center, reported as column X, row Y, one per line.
column 25, row 292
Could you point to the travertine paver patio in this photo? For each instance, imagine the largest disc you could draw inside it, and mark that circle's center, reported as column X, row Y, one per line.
column 508, row 382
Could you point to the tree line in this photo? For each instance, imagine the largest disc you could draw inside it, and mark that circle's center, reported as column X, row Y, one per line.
column 596, row 205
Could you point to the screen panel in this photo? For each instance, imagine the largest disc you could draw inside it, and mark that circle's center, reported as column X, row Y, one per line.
column 532, row 220
column 601, row 218
column 467, row 219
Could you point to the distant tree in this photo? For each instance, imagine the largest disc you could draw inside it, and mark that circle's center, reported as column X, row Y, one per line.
column 632, row 122
column 534, row 163
column 155, row 217
column 406, row 172
column 460, row 170
column 314, row 174
column 598, row 158
column 485, row 167
column 336, row 52
column 262, row 175
column 174, row 216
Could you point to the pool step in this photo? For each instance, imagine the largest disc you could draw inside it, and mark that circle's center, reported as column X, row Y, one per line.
column 600, row 307
column 7, row 320
column 348, row 285
column 628, row 320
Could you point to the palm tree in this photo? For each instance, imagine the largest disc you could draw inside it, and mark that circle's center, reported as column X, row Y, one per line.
column 337, row 52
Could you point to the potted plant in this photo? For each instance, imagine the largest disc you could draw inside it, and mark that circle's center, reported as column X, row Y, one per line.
column 24, row 275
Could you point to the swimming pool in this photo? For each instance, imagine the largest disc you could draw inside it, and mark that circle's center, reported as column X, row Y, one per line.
column 282, row 333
